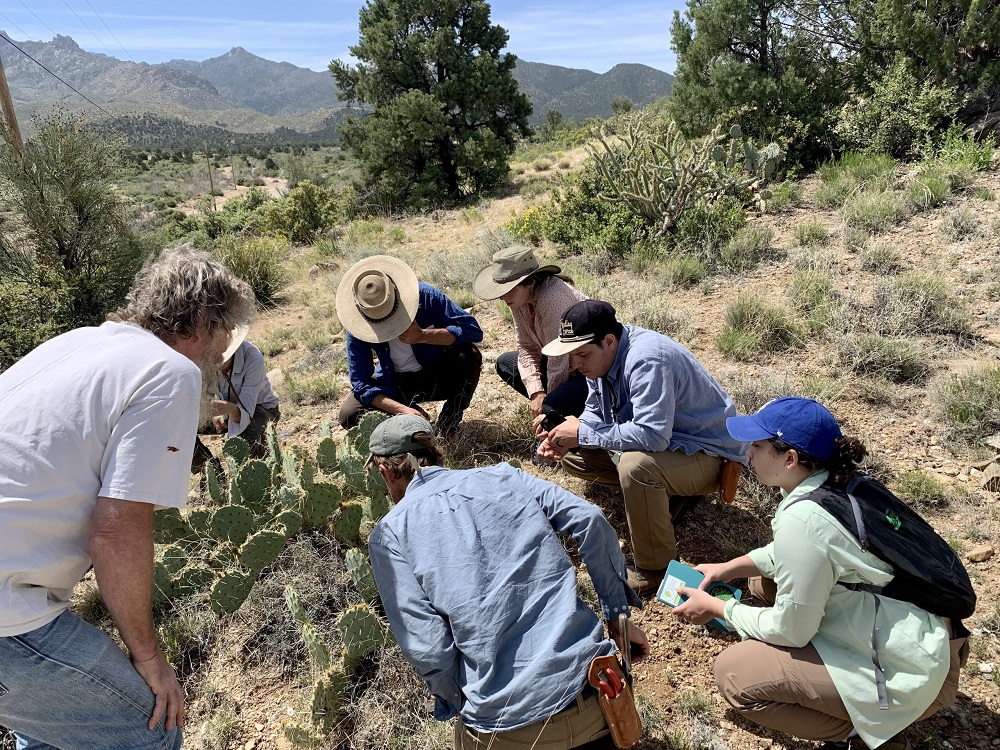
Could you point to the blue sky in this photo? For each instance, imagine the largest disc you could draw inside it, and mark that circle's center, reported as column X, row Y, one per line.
column 591, row 34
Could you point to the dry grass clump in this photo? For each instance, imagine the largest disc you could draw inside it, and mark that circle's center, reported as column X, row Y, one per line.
column 881, row 258
column 754, row 326
column 929, row 189
column 812, row 233
column 919, row 303
column 971, row 403
column 875, row 212
column 812, row 294
column 922, row 490
column 748, row 248
column 960, row 225
column 854, row 173
column 259, row 261
column 895, row 360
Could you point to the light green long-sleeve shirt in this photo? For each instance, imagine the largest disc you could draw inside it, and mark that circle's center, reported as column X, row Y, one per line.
column 810, row 553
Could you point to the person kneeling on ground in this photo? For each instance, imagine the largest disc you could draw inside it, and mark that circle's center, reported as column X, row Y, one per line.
column 807, row 667
column 424, row 344
column 537, row 297
column 246, row 401
column 654, row 425
column 482, row 597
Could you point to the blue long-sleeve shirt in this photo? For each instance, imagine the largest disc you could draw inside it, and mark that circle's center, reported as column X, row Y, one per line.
column 435, row 310
column 656, row 397
column 482, row 596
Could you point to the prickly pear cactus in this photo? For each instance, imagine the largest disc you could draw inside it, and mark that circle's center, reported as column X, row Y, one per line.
column 317, row 649
column 320, row 502
column 328, row 693
column 360, row 435
column 326, row 455
column 273, row 444
column 193, row 579
column 324, row 430
column 237, row 449
column 254, row 481
column 261, row 549
column 230, row 591
column 200, row 520
column 361, row 573
column 289, row 522
column 376, row 505
column 174, row 558
column 362, row 631
column 169, row 527
column 301, row 736
column 375, row 484
column 348, row 525
column 216, row 484
column 233, row 522
column 294, row 603
column 163, row 589
column 289, row 498
column 355, row 477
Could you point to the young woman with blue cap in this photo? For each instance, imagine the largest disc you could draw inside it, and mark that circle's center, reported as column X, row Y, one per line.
column 806, row 665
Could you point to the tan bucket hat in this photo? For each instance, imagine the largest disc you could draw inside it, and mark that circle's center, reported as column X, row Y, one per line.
column 377, row 299
column 509, row 268
column 236, row 337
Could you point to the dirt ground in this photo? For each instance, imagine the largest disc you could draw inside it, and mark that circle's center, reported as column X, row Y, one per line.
column 903, row 431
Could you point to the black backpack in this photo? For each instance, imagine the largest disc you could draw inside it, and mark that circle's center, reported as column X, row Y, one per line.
column 927, row 572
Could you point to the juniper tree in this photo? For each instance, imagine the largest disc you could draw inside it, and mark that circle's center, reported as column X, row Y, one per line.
column 445, row 108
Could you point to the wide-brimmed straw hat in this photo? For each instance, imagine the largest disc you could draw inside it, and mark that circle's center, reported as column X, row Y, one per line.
column 377, row 298
column 509, row 268
column 236, row 337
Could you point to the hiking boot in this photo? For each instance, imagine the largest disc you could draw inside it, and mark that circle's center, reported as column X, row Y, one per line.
column 899, row 742
column 643, row 581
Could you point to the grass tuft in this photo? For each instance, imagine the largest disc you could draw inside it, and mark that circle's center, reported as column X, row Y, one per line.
column 971, row 403
column 754, row 326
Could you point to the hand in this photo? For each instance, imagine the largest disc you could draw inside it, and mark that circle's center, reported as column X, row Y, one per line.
column 713, row 572
column 549, row 452
column 219, row 423
column 535, row 403
column 638, row 644
column 411, row 410
column 563, row 436
column 700, row 607
column 412, row 335
column 160, row 677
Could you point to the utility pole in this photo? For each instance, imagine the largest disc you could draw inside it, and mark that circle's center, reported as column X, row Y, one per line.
column 211, row 182
column 8, row 114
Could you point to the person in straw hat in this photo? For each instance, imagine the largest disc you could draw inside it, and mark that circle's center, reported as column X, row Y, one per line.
column 407, row 343
column 246, row 402
column 537, row 296
column 483, row 599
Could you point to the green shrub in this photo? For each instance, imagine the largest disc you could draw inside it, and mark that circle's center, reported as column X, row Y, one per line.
column 958, row 148
column 875, row 212
column 746, row 249
column 306, row 210
column 921, row 490
column 577, row 218
column 970, row 402
column 851, row 174
column 984, row 194
column 812, row 233
column 708, row 229
column 683, row 270
column 896, row 360
column 786, row 195
column 755, row 326
column 259, row 261
column 929, row 190
column 33, row 309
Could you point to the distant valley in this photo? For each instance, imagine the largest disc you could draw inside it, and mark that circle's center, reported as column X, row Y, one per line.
column 241, row 96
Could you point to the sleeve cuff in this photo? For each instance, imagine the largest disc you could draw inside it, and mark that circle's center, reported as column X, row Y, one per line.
column 456, row 331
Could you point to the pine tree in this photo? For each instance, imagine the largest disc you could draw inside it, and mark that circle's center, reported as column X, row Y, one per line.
column 446, row 110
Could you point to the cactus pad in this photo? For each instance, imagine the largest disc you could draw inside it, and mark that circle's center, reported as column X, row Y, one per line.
column 290, row 468
column 200, row 519
column 169, row 527
column 324, row 430
column 237, row 449
column 319, row 653
column 261, row 549
column 301, row 736
column 273, row 445
column 355, row 477
column 362, row 631
column 233, row 522
column 361, row 573
column 230, row 591
column 254, row 481
column 360, row 436
column 348, row 525
column 193, row 579
column 288, row 522
column 289, row 498
column 294, row 603
column 216, row 483
column 326, row 455
column 376, row 505
column 328, row 693
column 320, row 502
column 163, row 589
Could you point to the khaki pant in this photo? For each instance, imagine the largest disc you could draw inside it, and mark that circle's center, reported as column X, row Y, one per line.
column 790, row 689
column 648, row 480
column 580, row 725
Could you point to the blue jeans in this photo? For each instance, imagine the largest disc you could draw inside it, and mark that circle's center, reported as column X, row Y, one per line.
column 68, row 685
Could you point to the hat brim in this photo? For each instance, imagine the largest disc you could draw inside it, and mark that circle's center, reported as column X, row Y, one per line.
column 746, row 429
column 236, row 337
column 559, row 347
column 484, row 287
column 407, row 288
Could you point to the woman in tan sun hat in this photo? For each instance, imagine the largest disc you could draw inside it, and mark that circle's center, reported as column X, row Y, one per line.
column 406, row 343
column 537, row 296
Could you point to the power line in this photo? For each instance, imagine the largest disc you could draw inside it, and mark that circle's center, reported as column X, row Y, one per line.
column 88, row 29
column 39, row 19
column 11, row 43
column 25, row 33
column 109, row 29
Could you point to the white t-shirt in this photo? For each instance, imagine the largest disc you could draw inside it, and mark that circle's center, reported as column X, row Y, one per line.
column 96, row 412
column 403, row 358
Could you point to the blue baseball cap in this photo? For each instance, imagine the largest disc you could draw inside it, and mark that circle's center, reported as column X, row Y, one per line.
column 803, row 423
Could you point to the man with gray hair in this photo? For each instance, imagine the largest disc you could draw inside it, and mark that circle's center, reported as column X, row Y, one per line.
column 96, row 431
column 482, row 596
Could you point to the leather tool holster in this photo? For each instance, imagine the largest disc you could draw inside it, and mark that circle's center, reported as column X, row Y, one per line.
column 619, row 712
column 729, row 480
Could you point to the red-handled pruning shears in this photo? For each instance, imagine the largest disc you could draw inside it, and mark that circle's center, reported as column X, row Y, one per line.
column 610, row 684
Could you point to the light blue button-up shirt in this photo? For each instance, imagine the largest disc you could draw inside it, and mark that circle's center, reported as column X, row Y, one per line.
column 656, row 397
column 482, row 596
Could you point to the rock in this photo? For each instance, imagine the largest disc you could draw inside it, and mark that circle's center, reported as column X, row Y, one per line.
column 986, row 667
column 993, row 441
column 990, row 480
column 982, row 553
column 765, row 742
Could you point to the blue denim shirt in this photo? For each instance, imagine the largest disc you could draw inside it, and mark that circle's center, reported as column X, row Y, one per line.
column 656, row 397
column 435, row 310
column 482, row 597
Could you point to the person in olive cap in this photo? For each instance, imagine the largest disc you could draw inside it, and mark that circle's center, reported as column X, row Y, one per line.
column 654, row 425
column 482, row 597
column 806, row 665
